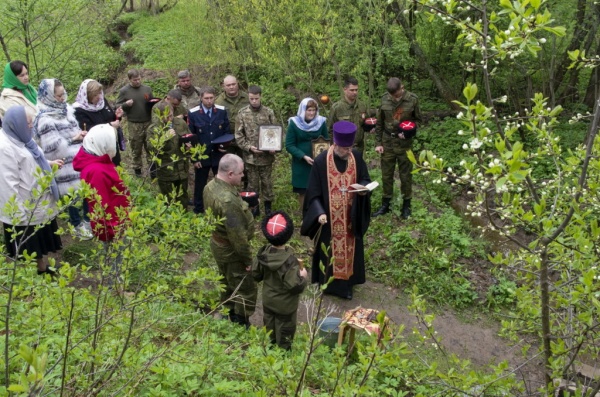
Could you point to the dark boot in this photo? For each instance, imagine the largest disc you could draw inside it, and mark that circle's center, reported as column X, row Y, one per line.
column 267, row 208
column 384, row 209
column 232, row 315
column 255, row 211
column 406, row 209
column 239, row 319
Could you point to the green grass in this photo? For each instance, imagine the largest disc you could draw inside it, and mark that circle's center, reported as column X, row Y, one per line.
column 176, row 39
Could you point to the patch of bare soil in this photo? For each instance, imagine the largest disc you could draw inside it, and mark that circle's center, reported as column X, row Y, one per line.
column 475, row 339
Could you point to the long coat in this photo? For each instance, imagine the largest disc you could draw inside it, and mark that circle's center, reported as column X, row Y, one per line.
column 317, row 202
column 298, row 144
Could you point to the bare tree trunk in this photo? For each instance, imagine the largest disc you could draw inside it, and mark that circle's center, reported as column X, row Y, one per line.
column 441, row 85
column 584, row 27
column 592, row 89
column 545, row 317
column 123, row 6
column 4, row 48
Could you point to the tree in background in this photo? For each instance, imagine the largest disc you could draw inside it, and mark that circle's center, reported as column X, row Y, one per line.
column 59, row 39
column 551, row 215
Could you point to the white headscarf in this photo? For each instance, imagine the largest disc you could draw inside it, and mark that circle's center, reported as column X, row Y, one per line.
column 101, row 140
column 300, row 118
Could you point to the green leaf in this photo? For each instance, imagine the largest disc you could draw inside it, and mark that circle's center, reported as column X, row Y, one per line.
column 557, row 30
column 411, row 156
column 573, row 55
column 470, row 91
column 17, row 388
column 500, row 183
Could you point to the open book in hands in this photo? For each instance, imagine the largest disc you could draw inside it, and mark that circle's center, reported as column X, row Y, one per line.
column 356, row 187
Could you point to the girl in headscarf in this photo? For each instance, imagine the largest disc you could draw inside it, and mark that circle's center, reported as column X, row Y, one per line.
column 17, row 90
column 60, row 137
column 302, row 129
column 91, row 109
column 20, row 157
column 94, row 163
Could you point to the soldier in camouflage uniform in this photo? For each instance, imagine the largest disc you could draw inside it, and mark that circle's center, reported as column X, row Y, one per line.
column 397, row 105
column 167, row 118
column 350, row 108
column 190, row 94
column 232, row 99
column 258, row 162
column 230, row 242
column 133, row 98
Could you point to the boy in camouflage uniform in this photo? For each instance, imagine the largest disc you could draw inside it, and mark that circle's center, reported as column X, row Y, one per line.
column 283, row 278
column 258, row 163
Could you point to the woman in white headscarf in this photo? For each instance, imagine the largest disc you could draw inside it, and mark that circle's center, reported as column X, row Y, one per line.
column 60, row 137
column 20, row 158
column 306, row 126
column 94, row 162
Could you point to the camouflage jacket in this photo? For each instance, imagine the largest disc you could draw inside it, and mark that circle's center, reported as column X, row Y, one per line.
column 189, row 98
column 232, row 105
column 390, row 114
column 356, row 113
column 279, row 270
column 238, row 227
column 169, row 170
column 247, row 124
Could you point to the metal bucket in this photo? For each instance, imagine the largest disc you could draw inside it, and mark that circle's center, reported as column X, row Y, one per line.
column 329, row 329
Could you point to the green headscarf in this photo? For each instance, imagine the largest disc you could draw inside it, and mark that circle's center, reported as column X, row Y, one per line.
column 11, row 81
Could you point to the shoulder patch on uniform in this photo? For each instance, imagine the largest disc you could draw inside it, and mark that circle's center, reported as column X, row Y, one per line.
column 220, row 107
column 195, row 109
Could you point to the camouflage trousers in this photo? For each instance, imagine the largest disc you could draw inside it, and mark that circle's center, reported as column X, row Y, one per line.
column 282, row 327
column 260, row 181
column 390, row 157
column 138, row 141
column 179, row 186
column 235, row 276
column 359, row 142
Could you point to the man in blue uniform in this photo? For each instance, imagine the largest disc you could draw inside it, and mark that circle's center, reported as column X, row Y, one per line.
column 209, row 122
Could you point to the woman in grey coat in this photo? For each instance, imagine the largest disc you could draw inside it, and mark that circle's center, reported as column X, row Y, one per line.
column 58, row 134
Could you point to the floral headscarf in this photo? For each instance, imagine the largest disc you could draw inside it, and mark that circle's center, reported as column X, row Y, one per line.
column 82, row 99
column 313, row 125
column 47, row 102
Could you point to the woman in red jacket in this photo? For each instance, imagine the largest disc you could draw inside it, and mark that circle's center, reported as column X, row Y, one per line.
column 94, row 162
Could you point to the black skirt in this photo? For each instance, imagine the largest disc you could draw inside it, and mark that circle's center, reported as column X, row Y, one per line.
column 41, row 242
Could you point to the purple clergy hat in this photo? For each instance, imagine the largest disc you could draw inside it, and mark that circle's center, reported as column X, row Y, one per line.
column 344, row 133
